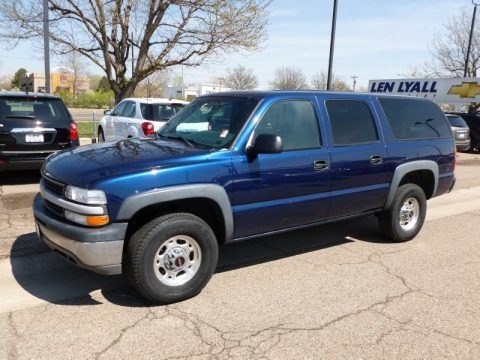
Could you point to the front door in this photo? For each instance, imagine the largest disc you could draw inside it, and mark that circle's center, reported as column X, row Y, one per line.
column 288, row 189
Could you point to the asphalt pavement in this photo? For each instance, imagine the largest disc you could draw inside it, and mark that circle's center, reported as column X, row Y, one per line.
column 337, row 291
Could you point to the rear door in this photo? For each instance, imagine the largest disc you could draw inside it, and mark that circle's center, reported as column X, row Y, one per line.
column 359, row 158
column 33, row 124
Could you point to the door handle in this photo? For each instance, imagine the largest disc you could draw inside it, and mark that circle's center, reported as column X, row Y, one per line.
column 376, row 159
column 320, row 165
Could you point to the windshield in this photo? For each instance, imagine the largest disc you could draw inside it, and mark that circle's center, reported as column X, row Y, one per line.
column 50, row 111
column 214, row 122
column 457, row 121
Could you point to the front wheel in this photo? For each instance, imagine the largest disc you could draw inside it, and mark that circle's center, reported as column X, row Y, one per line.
column 405, row 217
column 171, row 258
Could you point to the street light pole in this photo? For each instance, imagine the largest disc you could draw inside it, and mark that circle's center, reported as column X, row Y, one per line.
column 46, row 46
column 475, row 4
column 332, row 44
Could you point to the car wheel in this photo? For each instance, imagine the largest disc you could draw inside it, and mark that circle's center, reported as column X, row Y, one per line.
column 405, row 217
column 101, row 135
column 171, row 258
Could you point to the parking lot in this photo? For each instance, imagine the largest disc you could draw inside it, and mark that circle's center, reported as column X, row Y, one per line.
column 333, row 291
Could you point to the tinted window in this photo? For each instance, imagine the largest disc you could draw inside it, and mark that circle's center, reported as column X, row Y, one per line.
column 49, row 111
column 351, row 122
column 457, row 121
column 415, row 119
column 210, row 121
column 294, row 121
column 159, row 112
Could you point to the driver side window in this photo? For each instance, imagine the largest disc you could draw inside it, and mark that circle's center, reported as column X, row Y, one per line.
column 294, row 121
column 118, row 110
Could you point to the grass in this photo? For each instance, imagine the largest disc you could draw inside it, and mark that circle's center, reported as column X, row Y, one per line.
column 85, row 129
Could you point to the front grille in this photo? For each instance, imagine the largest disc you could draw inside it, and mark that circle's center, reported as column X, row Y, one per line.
column 57, row 210
column 53, row 186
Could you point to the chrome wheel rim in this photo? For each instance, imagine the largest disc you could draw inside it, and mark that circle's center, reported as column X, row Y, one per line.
column 409, row 214
column 177, row 260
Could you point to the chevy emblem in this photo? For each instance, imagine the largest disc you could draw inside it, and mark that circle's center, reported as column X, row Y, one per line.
column 466, row 90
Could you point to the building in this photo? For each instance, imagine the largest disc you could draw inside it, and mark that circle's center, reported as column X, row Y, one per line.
column 190, row 92
column 59, row 81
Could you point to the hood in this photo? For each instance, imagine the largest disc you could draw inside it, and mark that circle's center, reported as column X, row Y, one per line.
column 83, row 165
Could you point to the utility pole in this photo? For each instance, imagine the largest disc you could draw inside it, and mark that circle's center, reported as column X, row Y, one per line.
column 332, row 44
column 354, row 77
column 46, row 46
column 475, row 4
column 133, row 58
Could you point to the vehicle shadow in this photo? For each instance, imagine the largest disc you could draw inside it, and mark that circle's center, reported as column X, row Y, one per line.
column 20, row 177
column 50, row 278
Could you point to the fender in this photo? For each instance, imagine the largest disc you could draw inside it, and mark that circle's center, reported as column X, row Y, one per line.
column 132, row 131
column 216, row 193
column 404, row 169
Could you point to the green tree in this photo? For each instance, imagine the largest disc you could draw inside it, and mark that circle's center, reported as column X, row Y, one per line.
column 17, row 78
column 103, row 85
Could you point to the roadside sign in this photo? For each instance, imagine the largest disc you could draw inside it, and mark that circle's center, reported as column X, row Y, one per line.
column 442, row 90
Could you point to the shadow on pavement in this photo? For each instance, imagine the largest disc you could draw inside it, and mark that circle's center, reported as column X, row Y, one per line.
column 49, row 277
column 20, row 177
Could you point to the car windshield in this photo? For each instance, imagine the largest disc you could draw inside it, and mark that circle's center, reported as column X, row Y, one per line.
column 159, row 112
column 214, row 121
column 456, row 121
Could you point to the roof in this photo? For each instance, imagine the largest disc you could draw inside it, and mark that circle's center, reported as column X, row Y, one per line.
column 27, row 94
column 157, row 100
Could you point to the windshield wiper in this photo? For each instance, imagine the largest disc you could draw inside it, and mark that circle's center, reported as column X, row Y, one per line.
column 179, row 137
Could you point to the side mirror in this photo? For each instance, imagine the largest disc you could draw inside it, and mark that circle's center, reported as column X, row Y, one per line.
column 265, row 144
column 107, row 112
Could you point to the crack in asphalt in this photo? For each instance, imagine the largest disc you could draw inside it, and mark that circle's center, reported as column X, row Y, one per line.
column 121, row 334
column 13, row 351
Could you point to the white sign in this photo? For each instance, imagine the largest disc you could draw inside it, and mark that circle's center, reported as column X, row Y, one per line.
column 451, row 90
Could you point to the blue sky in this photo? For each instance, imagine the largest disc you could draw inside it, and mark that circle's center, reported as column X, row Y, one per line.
column 375, row 39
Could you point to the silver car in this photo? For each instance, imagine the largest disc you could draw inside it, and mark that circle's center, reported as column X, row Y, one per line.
column 461, row 132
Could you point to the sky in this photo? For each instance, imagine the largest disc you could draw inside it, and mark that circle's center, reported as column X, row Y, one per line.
column 375, row 39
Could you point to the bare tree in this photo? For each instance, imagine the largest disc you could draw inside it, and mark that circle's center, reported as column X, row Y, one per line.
column 240, row 78
column 319, row 82
column 288, row 78
column 162, row 33
column 6, row 82
column 450, row 48
column 76, row 76
column 153, row 85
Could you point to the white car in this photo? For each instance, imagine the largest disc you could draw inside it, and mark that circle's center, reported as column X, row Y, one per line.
column 134, row 117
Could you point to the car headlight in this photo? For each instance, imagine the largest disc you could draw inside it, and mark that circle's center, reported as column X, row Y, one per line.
column 84, row 196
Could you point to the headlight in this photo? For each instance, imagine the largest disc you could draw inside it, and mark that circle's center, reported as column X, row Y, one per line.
column 84, row 196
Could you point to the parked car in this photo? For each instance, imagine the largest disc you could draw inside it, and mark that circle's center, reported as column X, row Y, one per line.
column 460, row 130
column 158, row 208
column 473, row 122
column 33, row 126
column 134, row 117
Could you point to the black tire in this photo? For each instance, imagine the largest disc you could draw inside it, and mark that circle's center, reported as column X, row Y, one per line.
column 403, row 229
column 101, row 135
column 150, row 248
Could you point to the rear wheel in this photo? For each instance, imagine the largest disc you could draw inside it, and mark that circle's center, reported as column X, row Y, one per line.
column 171, row 258
column 405, row 217
column 101, row 135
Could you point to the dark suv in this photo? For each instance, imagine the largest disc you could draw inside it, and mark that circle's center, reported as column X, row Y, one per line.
column 33, row 126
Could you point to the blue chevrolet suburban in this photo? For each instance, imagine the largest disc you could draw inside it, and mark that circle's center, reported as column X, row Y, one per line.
column 234, row 166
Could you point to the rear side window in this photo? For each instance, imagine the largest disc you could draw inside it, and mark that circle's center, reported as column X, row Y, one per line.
column 351, row 122
column 49, row 111
column 415, row 119
column 159, row 112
